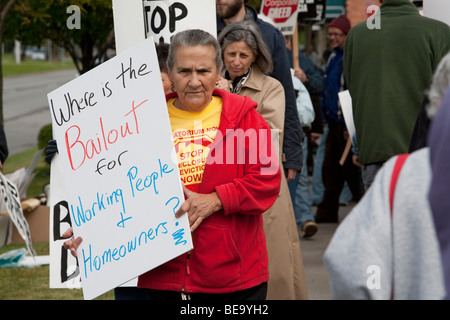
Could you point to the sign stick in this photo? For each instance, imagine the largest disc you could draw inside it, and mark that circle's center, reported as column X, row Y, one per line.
column 128, row 23
column 295, row 46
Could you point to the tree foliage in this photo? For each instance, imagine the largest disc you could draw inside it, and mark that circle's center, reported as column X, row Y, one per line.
column 32, row 21
column 5, row 8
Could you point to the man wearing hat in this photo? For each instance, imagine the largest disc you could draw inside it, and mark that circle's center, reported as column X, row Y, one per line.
column 334, row 175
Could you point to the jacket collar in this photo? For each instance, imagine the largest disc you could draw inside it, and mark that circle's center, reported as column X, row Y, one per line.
column 398, row 8
column 234, row 107
column 256, row 79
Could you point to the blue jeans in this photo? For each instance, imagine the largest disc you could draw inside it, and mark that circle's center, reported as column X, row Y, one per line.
column 300, row 191
column 317, row 184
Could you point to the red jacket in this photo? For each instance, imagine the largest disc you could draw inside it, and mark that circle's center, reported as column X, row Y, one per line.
column 230, row 251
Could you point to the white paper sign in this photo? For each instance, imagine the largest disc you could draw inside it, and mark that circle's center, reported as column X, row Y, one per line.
column 119, row 169
column 128, row 23
column 346, row 105
column 283, row 14
column 165, row 18
column 64, row 271
column 437, row 9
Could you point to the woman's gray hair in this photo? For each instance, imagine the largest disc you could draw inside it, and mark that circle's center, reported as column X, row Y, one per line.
column 193, row 38
column 439, row 84
column 248, row 31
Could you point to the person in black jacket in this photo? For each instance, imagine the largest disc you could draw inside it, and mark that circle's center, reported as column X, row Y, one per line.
column 229, row 11
column 4, row 152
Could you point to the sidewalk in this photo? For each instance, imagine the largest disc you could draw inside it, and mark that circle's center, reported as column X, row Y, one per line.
column 316, row 277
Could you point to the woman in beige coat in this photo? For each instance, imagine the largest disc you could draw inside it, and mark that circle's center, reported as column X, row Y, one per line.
column 247, row 59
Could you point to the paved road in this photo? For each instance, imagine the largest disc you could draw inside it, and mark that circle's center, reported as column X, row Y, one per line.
column 316, row 277
column 26, row 108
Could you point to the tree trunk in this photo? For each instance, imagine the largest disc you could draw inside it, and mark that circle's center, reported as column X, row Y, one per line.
column 1, row 75
column 3, row 14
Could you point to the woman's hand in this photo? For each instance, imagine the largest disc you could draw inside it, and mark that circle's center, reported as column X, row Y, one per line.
column 290, row 174
column 223, row 84
column 355, row 160
column 198, row 206
column 73, row 243
column 300, row 74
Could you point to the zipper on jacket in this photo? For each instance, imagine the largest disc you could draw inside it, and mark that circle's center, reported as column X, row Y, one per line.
column 184, row 295
column 188, row 269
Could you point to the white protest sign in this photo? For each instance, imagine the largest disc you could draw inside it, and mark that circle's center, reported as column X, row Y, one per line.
column 346, row 105
column 165, row 18
column 119, row 169
column 437, row 9
column 64, row 271
column 345, row 101
column 128, row 23
column 283, row 13
column 11, row 200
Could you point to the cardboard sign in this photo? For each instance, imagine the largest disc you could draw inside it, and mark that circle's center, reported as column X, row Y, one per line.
column 283, row 13
column 311, row 10
column 164, row 18
column 119, row 169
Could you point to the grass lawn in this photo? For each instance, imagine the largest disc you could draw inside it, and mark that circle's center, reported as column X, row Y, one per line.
column 11, row 68
column 33, row 283
column 23, row 159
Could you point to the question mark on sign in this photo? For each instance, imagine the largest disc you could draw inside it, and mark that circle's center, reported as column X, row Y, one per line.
column 176, row 205
column 177, row 235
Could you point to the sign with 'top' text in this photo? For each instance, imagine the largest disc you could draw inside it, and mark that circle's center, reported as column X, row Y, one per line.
column 119, row 169
column 165, row 18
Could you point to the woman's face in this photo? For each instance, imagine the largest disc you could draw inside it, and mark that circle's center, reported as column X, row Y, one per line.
column 194, row 75
column 238, row 57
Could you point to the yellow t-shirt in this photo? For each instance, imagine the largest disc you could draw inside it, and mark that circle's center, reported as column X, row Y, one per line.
column 193, row 132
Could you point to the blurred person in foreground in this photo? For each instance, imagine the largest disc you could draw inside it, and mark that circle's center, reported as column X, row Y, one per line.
column 438, row 142
column 387, row 247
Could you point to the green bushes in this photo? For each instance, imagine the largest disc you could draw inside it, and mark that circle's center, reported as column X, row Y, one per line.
column 45, row 134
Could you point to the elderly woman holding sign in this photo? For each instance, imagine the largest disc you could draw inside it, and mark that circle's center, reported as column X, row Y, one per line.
column 247, row 59
column 230, row 176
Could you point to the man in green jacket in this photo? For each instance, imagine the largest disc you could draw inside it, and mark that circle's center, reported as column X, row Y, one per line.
column 388, row 66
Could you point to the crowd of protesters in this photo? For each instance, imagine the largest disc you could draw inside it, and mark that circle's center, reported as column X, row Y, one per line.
column 246, row 225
